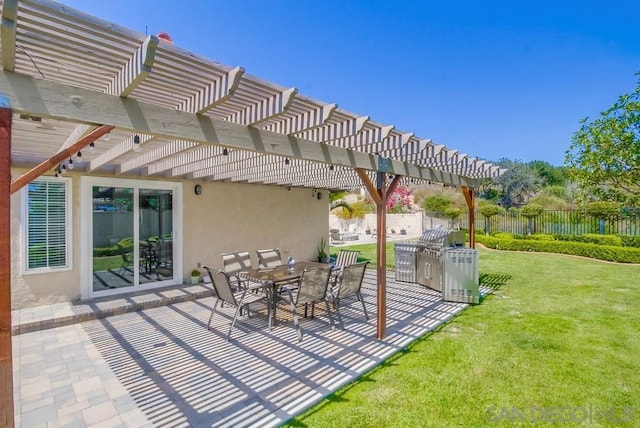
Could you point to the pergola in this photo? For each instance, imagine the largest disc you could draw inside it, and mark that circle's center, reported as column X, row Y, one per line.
column 70, row 80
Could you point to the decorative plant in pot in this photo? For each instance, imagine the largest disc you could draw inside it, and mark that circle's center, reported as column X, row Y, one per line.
column 195, row 276
column 322, row 254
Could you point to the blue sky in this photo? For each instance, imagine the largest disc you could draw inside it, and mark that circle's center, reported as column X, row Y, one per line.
column 491, row 79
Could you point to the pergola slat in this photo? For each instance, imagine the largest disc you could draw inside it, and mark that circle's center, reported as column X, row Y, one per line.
column 165, row 151
column 264, row 109
column 135, row 70
column 305, row 121
column 119, row 149
column 214, row 94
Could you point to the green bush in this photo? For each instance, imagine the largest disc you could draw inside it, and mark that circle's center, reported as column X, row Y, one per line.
column 127, row 244
column 594, row 251
column 604, row 210
column 602, row 239
column 541, row 237
column 592, row 238
column 630, row 241
column 531, row 210
column 504, row 235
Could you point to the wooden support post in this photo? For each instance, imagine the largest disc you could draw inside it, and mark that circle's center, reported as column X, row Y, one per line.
column 381, row 250
column 6, row 363
column 470, row 197
column 379, row 194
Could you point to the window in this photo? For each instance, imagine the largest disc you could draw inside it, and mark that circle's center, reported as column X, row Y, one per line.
column 46, row 227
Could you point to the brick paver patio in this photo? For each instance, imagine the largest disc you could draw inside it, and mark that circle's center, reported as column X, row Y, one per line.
column 161, row 367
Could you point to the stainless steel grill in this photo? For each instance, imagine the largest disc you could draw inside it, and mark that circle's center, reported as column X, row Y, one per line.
column 438, row 260
column 405, row 253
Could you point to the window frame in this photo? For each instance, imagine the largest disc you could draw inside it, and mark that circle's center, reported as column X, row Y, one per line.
column 68, row 228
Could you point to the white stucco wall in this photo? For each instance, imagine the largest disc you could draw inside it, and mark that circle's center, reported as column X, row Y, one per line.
column 230, row 217
column 225, row 217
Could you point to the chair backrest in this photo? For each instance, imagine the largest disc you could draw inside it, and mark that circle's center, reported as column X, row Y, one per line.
column 126, row 257
column 346, row 258
column 351, row 279
column 269, row 258
column 236, row 262
column 221, row 285
column 313, row 285
column 165, row 251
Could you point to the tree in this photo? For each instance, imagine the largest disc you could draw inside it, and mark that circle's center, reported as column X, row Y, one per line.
column 550, row 175
column 531, row 211
column 452, row 214
column 518, row 184
column 489, row 210
column 436, row 203
column 604, row 156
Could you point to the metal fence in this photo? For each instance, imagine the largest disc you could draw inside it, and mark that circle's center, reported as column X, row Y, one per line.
column 566, row 222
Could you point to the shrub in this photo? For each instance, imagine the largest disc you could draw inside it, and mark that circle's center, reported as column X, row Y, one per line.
column 452, row 212
column 604, row 210
column 504, row 235
column 592, row 238
column 630, row 241
column 489, row 210
column 602, row 239
column 541, row 237
column 558, row 191
column 531, row 210
column 594, row 251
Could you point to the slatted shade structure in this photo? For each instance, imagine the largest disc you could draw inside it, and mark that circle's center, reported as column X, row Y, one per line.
column 58, row 49
column 153, row 109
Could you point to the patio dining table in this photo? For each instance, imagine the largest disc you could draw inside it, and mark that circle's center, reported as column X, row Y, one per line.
column 275, row 277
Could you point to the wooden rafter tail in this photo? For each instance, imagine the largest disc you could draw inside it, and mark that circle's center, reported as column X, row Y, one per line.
column 45, row 166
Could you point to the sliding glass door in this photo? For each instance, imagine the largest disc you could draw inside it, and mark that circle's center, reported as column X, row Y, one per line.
column 133, row 238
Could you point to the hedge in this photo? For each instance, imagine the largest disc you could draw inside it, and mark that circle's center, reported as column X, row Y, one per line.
column 630, row 241
column 592, row 238
column 594, row 251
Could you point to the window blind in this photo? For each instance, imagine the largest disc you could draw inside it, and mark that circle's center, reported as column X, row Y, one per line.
column 47, row 213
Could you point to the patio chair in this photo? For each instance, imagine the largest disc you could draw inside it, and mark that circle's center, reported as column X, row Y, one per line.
column 335, row 236
column 234, row 264
column 269, row 258
column 312, row 289
column 349, row 285
column 344, row 259
column 224, row 294
column 127, row 260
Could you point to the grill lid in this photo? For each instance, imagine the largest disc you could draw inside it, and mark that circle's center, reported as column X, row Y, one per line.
column 405, row 246
column 441, row 238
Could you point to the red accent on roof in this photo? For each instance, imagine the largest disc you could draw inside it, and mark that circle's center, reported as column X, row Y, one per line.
column 165, row 36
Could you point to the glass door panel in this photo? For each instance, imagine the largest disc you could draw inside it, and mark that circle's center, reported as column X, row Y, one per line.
column 113, row 238
column 155, row 234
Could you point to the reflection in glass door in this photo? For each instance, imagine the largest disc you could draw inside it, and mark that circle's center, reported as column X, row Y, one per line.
column 155, row 235
column 113, row 243
column 132, row 239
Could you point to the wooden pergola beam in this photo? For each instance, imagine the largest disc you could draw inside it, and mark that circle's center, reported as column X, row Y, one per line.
column 55, row 100
column 45, row 166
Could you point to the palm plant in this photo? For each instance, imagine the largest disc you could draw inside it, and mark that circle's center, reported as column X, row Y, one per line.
column 336, row 201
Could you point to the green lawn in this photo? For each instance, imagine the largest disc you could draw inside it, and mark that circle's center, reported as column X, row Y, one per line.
column 558, row 341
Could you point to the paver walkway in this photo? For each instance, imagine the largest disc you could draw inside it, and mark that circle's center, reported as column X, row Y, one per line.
column 161, row 367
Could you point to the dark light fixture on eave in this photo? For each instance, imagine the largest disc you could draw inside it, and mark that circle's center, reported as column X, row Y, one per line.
column 136, row 143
